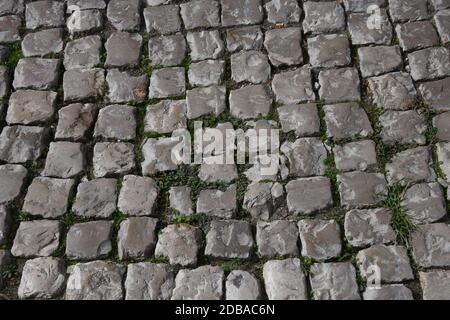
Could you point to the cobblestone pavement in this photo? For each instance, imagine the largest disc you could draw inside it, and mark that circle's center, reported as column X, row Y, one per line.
column 92, row 208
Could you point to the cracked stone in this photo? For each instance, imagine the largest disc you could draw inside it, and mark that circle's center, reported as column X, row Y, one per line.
column 284, row 46
column 44, row 14
column 391, row 261
column 124, row 16
column 358, row 155
column 244, row 38
column 136, row 238
column 323, row 17
column 303, row 119
column 205, row 45
column 89, row 240
column 112, row 158
column 137, row 196
column 306, row 157
column 167, row 51
column 180, row 243
column 252, row 66
column 83, row 53
column 203, row 101
column 82, row 84
column 277, row 238
column 293, row 86
column 162, row 19
column 429, row 63
column 320, row 238
column 346, row 120
column 167, row 82
column 283, row 11
column 181, row 200
column 334, row 281
column 435, row 285
column 165, row 116
column 440, row 122
column 403, row 127
column 96, row 198
column 31, row 107
column 409, row 166
column 85, row 21
column 217, row 203
column 388, row 292
column 229, row 239
column 42, row 278
column 431, row 245
column 48, row 197
column 75, row 121
column 96, row 280
column 360, row 189
column 116, row 122
column 124, row 88
column 149, row 281
column 202, row 283
column 339, row 85
column 369, row 227
column 408, row 10
column 36, row 73
column 200, row 14
column 242, row 285
column 284, row 280
column 19, row 144
column 416, row 35
column 364, row 30
column 64, row 160
column 36, row 238
column 308, row 195
column 374, row 61
column 250, row 102
column 237, row 12
column 329, row 50
column 206, row 73
column 436, row 94
column 123, row 49
column 441, row 20
column 264, row 200
column 43, row 43
column 12, row 178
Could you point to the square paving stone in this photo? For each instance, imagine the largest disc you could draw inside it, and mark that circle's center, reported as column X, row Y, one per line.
column 284, row 46
column 215, row 169
column 11, row 7
column 250, row 102
column 5, row 82
column 217, row 203
column 431, row 245
column 334, row 281
column 149, row 281
column 205, row 45
column 358, row 155
column 31, row 107
column 48, row 197
column 264, row 200
column 83, row 53
column 124, row 15
column 200, row 14
column 388, row 292
column 416, row 35
column 96, row 280
column 89, row 240
column 181, row 200
column 206, row 73
column 390, row 263
column 442, row 20
column 179, row 243
column 346, row 120
column 242, row 285
column 320, row 238
column 36, row 238
column 293, row 86
column 339, row 85
column 44, row 14
column 123, row 49
column 440, row 122
column 374, row 61
column 137, row 196
column 43, row 42
column 409, row 166
column 364, row 227
column 42, row 278
column 123, row 87
column 167, row 82
column 12, row 178
column 203, row 101
column 64, row 160
column 308, row 195
column 19, row 144
column 238, row 12
column 75, row 121
column 306, row 157
column 424, row 203
column 435, row 285
column 323, row 17
column 9, row 29
column 83, row 84
column 113, row 158
column 360, row 189
column 403, row 127
column 116, row 122
column 165, row 116
column 36, row 73
column 162, row 19
column 277, row 238
column 365, row 30
column 393, row 91
column 408, row 10
column 283, row 11
column 244, row 38
column 329, row 50
column 436, row 94
column 229, row 239
column 284, row 280
column 96, row 198
column 203, row 283
column 5, row 224
column 252, row 66
column 167, row 50
column 429, row 63
column 303, row 119
column 84, row 21
column 136, row 238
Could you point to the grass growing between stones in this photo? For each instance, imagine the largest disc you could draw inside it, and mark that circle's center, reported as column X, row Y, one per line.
column 14, row 56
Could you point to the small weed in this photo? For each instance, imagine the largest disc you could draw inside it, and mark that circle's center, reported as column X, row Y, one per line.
column 14, row 56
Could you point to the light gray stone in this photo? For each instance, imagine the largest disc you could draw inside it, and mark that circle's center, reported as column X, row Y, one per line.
column 9, row 29
column 162, row 19
column 388, row 292
column 416, row 35
column 250, row 102
column 44, row 14
column 64, row 160
column 167, row 50
column 214, row 169
column 293, row 86
column 283, row 11
column 334, row 281
column 252, row 66
column 180, row 200
column 165, row 116
column 83, row 84
column 320, row 238
column 89, row 240
column 205, row 45
column 11, row 7
column 123, row 49
column 85, row 21
column 137, row 196
column 339, row 85
column 264, row 200
column 409, row 166
column 31, row 107
column 323, row 17
column 149, row 281
column 408, row 10
column 217, row 203
column 284, row 46
column 277, row 238
column 404, row 127
column 431, row 245
column 206, row 73
column 116, row 122
column 11, row 182
column 203, row 283
column 19, row 144
column 378, row 60
column 204, row 101
column 36, row 73
column 429, row 63
column 157, row 155
column 306, row 157
column 358, row 155
column 440, row 122
column 113, row 158
column 441, row 19
column 43, row 42
column 75, row 121
column 363, row 29
column 85, row 4
column 346, row 120
column 435, row 285
column 244, row 38
column 242, row 285
column 36, row 238
column 136, row 238
column 167, row 82
column 200, row 14
column 308, row 195
column 436, row 94
column 440, row 4
column 362, row 6
column 360, row 189
column 126, row 88
column 124, row 16
column 236, row 12
column 443, row 157
column 303, row 119
column 96, row 198
column 329, row 50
